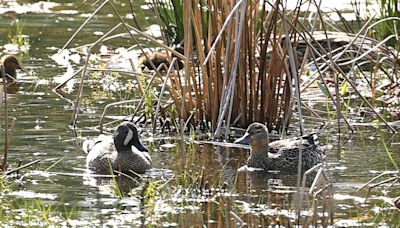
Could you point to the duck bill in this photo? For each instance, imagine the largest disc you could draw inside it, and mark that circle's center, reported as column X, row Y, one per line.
column 140, row 146
column 245, row 139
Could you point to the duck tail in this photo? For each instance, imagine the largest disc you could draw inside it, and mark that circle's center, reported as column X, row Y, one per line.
column 311, row 137
column 87, row 146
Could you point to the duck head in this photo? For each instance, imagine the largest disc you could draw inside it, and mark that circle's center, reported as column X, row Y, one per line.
column 11, row 64
column 126, row 136
column 257, row 136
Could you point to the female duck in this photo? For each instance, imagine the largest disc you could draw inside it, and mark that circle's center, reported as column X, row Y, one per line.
column 11, row 64
column 281, row 154
column 123, row 152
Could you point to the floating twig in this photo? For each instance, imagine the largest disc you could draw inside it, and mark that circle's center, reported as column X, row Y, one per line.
column 22, row 167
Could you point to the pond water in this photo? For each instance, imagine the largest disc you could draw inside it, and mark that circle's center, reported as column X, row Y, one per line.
column 206, row 188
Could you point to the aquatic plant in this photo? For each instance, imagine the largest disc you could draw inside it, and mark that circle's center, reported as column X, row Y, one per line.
column 388, row 9
column 170, row 13
column 242, row 66
column 32, row 213
column 29, row 212
column 18, row 38
column 274, row 105
column 214, row 82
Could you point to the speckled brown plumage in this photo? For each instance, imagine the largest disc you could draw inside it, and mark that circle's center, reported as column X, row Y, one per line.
column 123, row 152
column 281, row 154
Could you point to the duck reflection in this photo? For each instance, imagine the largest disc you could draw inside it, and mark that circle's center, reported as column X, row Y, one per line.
column 11, row 87
column 124, row 184
column 259, row 180
column 117, row 185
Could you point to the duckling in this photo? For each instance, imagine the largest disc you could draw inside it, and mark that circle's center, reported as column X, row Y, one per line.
column 281, row 154
column 11, row 64
column 123, row 152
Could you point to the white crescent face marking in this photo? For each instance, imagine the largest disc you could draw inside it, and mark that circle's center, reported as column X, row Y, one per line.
column 128, row 137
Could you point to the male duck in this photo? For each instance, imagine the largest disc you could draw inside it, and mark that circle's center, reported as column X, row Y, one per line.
column 11, row 64
column 123, row 152
column 281, row 154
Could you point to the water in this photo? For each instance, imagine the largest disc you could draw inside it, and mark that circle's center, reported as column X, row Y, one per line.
column 206, row 188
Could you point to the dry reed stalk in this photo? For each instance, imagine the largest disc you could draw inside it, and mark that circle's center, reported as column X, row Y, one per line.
column 146, row 91
column 111, row 105
column 22, row 167
column 1, row 96
column 331, row 97
column 140, row 101
column 83, row 77
column 259, row 86
column 293, row 73
column 59, row 86
column 185, row 106
column 336, row 79
column 238, row 42
column 170, row 69
column 85, row 68
column 137, row 77
column 228, row 89
column 377, row 177
column 127, row 27
column 6, row 143
column 335, row 67
column 83, row 25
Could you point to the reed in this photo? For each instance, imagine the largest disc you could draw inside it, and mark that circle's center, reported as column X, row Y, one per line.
column 3, row 159
column 230, row 78
column 244, row 66
column 241, row 62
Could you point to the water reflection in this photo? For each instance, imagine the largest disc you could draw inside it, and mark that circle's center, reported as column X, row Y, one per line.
column 123, row 184
column 114, row 186
column 227, row 197
column 11, row 87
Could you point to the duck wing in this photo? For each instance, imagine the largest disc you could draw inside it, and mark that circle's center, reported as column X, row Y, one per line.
column 88, row 144
column 100, row 155
column 305, row 141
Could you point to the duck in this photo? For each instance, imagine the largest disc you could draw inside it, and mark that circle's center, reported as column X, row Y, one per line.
column 281, row 155
column 123, row 152
column 11, row 64
column 158, row 58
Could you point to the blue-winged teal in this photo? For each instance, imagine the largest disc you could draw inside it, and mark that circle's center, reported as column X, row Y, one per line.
column 158, row 58
column 11, row 64
column 123, row 152
column 281, row 154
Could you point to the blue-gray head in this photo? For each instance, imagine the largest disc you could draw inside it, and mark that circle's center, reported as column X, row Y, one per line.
column 256, row 135
column 126, row 135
